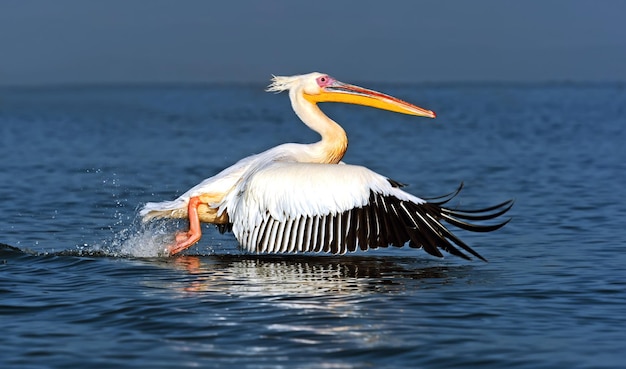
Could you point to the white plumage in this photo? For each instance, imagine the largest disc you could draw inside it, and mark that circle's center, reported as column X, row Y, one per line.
column 301, row 198
column 323, row 191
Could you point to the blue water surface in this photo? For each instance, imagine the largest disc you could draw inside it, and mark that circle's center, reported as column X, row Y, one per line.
column 82, row 283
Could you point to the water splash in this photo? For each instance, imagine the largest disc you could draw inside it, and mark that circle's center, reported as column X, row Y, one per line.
column 147, row 240
column 142, row 240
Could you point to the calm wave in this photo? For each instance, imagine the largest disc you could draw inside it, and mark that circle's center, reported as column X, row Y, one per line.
column 83, row 283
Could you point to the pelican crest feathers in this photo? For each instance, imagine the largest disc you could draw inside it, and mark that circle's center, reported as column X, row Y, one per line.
column 281, row 83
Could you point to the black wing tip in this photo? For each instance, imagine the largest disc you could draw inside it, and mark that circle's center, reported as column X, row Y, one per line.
column 464, row 219
column 450, row 249
column 444, row 198
column 458, row 216
column 494, row 208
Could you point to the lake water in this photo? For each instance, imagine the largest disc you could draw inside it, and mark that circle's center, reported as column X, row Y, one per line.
column 82, row 285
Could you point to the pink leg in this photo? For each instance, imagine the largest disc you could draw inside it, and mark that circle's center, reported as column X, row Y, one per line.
column 185, row 240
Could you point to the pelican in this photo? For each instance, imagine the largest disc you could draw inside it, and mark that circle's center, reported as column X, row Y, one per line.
column 296, row 198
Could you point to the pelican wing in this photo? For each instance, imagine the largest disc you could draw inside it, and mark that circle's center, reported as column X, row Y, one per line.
column 286, row 207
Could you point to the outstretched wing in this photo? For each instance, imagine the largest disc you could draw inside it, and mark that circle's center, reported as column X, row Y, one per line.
column 297, row 207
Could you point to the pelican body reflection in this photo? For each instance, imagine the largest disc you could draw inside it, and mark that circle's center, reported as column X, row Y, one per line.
column 275, row 275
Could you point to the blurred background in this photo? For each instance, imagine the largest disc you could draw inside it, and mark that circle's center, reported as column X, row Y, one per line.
column 73, row 41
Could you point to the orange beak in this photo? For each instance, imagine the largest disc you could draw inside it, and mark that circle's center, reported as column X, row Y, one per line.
column 350, row 94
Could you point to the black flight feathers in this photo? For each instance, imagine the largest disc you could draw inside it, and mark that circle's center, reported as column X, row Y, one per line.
column 385, row 221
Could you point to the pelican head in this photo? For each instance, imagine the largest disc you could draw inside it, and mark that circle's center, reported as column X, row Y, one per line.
column 319, row 87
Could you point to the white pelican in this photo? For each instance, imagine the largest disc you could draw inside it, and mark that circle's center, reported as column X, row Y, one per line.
column 302, row 198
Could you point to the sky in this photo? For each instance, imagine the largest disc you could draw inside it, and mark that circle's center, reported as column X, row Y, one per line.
column 196, row 41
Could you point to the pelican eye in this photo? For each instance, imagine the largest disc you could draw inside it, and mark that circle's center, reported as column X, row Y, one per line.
column 324, row 81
